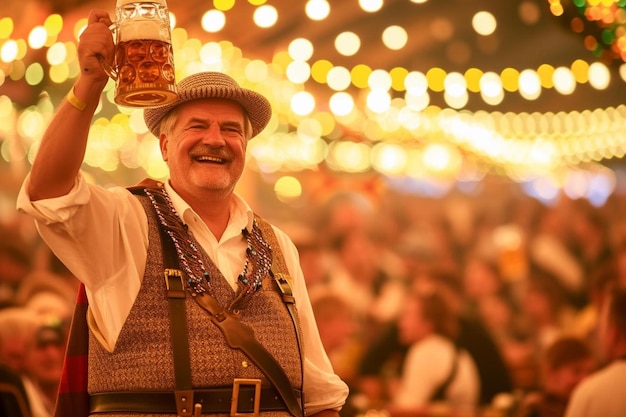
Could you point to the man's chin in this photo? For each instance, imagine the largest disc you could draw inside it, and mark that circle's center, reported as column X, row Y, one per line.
column 214, row 185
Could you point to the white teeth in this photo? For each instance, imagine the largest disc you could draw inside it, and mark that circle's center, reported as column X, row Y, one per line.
column 208, row 159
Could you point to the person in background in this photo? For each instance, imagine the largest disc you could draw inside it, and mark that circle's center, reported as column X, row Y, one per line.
column 48, row 294
column 590, row 243
column 435, row 372
column 44, row 366
column 586, row 321
column 215, row 253
column 314, row 258
column 339, row 333
column 13, row 400
column 17, row 328
column 358, row 273
column 602, row 392
column 34, row 351
column 543, row 317
column 548, row 249
column 386, row 353
column 565, row 363
column 15, row 263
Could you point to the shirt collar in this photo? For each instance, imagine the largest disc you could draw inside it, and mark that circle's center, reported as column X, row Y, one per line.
column 241, row 215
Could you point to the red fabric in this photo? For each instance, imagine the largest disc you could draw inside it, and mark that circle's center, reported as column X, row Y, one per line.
column 73, row 399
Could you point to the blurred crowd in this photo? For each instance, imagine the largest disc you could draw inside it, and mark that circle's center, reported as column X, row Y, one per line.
column 37, row 295
column 462, row 305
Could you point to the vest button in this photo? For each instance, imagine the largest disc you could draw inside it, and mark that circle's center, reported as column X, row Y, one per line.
column 244, row 364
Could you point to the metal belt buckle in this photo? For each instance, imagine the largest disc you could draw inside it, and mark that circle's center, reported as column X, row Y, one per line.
column 174, row 283
column 237, row 382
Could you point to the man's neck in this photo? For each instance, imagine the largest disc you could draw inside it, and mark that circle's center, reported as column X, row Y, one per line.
column 215, row 216
column 213, row 207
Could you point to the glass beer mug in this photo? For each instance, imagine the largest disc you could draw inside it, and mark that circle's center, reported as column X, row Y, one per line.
column 143, row 68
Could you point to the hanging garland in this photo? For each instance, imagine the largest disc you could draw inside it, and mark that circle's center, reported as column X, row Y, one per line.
column 602, row 23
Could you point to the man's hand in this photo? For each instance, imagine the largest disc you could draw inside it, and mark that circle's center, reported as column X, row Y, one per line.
column 96, row 42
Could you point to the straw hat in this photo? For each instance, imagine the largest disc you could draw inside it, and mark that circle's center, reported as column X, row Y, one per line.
column 213, row 85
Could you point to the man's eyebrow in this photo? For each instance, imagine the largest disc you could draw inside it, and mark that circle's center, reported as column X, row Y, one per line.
column 196, row 120
column 227, row 123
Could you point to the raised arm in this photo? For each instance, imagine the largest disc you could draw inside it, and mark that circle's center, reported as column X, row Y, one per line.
column 62, row 148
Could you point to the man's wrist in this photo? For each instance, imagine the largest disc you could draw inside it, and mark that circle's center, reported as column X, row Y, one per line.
column 77, row 103
column 87, row 91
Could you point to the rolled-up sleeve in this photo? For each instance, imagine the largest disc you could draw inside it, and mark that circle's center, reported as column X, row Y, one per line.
column 96, row 232
column 53, row 210
column 101, row 236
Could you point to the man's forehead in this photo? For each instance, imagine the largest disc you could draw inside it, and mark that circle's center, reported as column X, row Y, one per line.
column 211, row 107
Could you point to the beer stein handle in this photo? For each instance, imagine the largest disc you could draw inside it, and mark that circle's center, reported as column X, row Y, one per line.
column 108, row 69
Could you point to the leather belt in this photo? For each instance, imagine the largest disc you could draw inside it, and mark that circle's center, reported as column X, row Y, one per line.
column 213, row 400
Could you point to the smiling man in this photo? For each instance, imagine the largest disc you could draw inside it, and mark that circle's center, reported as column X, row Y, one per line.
column 230, row 329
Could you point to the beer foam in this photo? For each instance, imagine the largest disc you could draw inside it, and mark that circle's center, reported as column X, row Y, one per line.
column 143, row 29
column 124, row 2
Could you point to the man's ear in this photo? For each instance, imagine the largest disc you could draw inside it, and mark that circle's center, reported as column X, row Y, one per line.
column 163, row 145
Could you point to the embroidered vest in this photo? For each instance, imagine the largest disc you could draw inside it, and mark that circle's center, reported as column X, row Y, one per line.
column 143, row 360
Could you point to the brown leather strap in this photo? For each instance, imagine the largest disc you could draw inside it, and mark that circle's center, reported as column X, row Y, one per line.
column 180, row 340
column 178, row 327
column 213, row 400
column 239, row 336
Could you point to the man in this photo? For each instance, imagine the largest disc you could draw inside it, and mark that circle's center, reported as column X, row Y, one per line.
column 121, row 245
column 13, row 400
column 564, row 364
column 34, row 351
column 471, row 335
column 17, row 330
column 435, row 373
column 338, row 330
column 602, row 393
column 44, row 365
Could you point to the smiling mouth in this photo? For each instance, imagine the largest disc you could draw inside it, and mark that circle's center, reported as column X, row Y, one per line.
column 210, row 159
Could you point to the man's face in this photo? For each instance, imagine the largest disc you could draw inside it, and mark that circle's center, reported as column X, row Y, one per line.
column 205, row 149
column 413, row 326
column 563, row 380
column 45, row 361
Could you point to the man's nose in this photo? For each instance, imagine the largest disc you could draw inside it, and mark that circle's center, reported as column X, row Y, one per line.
column 213, row 135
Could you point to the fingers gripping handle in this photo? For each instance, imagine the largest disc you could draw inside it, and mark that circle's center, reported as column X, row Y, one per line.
column 106, row 66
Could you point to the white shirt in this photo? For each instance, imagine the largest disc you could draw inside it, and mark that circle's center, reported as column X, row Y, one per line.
column 427, row 365
column 80, row 226
column 601, row 394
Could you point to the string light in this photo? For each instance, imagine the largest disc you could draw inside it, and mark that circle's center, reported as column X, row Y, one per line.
column 397, row 130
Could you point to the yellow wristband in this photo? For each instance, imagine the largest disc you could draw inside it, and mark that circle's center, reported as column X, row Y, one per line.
column 77, row 103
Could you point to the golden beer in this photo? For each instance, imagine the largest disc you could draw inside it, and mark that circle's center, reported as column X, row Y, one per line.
column 143, row 67
column 146, row 72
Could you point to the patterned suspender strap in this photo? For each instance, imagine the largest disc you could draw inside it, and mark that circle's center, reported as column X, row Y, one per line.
column 283, row 279
column 176, row 300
